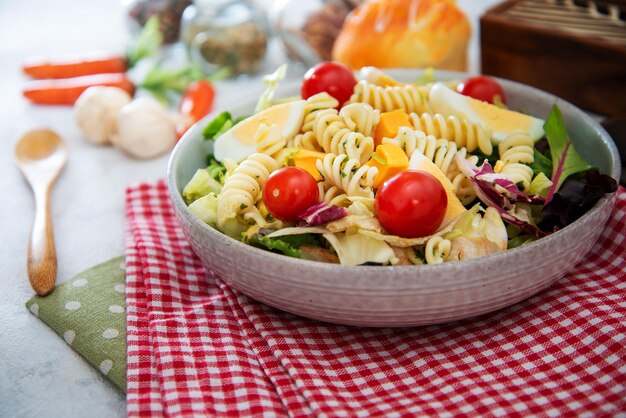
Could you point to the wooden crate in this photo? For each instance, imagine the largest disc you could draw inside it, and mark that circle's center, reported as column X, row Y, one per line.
column 572, row 48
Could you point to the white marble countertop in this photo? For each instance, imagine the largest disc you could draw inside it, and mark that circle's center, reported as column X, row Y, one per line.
column 39, row 373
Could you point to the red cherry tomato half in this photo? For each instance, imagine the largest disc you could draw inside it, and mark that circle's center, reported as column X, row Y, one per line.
column 332, row 77
column 482, row 88
column 411, row 204
column 288, row 192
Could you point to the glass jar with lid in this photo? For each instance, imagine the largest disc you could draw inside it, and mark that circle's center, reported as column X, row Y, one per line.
column 225, row 33
column 308, row 28
column 169, row 13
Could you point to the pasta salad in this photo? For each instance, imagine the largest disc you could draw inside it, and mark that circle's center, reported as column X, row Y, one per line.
column 370, row 170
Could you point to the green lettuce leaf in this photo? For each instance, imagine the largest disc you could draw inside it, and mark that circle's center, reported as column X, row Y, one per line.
column 220, row 124
column 271, row 83
column 216, row 170
column 565, row 160
column 520, row 240
column 205, row 208
column 201, row 184
column 288, row 245
column 540, row 185
column 541, row 164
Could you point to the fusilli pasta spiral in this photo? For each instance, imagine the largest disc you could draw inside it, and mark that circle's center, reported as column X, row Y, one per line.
column 441, row 152
column 436, row 250
column 314, row 104
column 335, row 137
column 360, row 117
column 332, row 195
column 242, row 189
column 408, row 97
column 516, row 153
column 306, row 141
column 462, row 131
column 347, row 174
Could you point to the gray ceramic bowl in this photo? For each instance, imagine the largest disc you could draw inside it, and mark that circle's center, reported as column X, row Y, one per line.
column 409, row 295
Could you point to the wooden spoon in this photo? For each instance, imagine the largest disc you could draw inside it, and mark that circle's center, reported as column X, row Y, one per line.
column 41, row 155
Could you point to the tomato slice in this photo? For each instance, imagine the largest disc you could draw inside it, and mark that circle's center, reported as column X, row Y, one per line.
column 288, row 192
column 332, row 77
column 411, row 204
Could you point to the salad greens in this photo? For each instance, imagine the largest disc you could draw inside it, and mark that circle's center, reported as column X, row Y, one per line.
column 500, row 193
column 540, row 185
column 550, row 203
column 565, row 160
column 216, row 169
column 271, row 83
column 575, row 197
column 220, row 124
column 205, row 181
column 288, row 244
column 205, row 208
column 542, row 163
column 200, row 185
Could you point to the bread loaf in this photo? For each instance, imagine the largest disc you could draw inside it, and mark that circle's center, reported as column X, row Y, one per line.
column 404, row 34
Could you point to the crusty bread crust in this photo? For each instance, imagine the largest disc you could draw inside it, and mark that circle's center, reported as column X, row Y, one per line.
column 404, row 34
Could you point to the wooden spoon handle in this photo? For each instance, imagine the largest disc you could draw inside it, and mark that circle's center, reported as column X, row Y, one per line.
column 42, row 257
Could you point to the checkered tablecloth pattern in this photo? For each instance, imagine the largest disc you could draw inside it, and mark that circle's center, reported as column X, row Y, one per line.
column 198, row 348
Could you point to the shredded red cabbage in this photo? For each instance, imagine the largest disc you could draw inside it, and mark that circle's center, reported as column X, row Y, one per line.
column 321, row 213
column 502, row 197
column 488, row 179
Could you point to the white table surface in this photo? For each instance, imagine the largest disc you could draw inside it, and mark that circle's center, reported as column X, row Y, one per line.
column 39, row 374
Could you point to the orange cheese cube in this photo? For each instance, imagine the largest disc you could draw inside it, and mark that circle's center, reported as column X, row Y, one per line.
column 389, row 124
column 306, row 159
column 390, row 160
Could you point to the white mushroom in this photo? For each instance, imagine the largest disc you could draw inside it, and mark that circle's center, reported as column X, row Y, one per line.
column 145, row 129
column 95, row 112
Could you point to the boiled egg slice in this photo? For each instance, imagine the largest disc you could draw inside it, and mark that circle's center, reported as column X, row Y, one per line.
column 503, row 122
column 238, row 143
column 455, row 208
column 375, row 76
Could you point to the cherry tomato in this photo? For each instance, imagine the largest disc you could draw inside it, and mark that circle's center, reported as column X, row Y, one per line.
column 411, row 204
column 482, row 88
column 196, row 103
column 288, row 192
column 332, row 77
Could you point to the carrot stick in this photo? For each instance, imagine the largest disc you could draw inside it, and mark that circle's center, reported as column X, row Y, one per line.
column 65, row 91
column 75, row 65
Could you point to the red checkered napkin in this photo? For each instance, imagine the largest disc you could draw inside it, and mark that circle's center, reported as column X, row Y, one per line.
column 198, row 348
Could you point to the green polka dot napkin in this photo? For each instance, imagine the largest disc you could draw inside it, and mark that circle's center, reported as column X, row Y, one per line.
column 88, row 311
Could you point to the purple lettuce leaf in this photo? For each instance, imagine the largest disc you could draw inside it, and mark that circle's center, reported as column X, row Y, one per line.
column 489, row 179
column 523, row 225
column 321, row 213
column 576, row 196
column 500, row 193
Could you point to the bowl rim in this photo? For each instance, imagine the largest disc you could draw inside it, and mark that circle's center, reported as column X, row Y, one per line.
column 291, row 262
